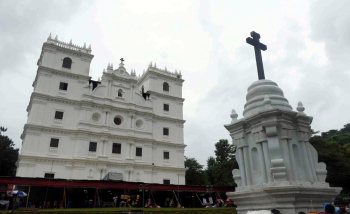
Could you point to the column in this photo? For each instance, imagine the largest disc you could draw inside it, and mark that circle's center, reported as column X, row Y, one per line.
column 247, row 165
column 240, row 161
column 104, row 147
column 100, row 148
column 262, row 160
column 291, row 155
column 307, row 168
column 286, row 157
column 267, row 161
column 312, row 164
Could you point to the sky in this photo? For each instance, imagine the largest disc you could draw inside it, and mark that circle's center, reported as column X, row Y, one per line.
column 308, row 54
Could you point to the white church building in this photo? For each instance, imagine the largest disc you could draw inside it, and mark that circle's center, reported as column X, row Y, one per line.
column 78, row 128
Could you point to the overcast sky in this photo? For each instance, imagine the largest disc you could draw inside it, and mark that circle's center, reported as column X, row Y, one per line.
column 308, row 54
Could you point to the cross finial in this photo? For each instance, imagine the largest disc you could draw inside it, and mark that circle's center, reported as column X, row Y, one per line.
column 121, row 60
column 257, row 48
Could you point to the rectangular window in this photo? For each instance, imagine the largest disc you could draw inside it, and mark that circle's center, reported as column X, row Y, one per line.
column 117, row 148
column 166, row 107
column 59, row 115
column 166, row 155
column 63, row 86
column 92, row 147
column 54, row 142
column 165, row 131
column 138, row 152
column 166, row 181
column 49, row 175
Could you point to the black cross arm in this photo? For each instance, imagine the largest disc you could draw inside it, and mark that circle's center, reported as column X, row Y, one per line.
column 251, row 41
column 255, row 43
column 263, row 47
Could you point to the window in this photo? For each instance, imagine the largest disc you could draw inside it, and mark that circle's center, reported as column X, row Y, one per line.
column 166, row 131
column 67, row 63
column 166, row 107
column 49, row 175
column 166, row 155
column 117, row 147
column 59, row 115
column 117, row 120
column 165, row 86
column 138, row 152
column 166, row 181
column 54, row 142
column 120, row 93
column 63, row 86
column 92, row 147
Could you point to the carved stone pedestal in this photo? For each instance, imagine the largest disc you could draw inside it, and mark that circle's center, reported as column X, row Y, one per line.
column 288, row 198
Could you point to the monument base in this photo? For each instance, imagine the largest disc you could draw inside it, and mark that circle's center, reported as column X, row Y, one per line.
column 287, row 197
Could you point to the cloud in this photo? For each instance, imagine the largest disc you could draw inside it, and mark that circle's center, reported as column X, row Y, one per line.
column 21, row 24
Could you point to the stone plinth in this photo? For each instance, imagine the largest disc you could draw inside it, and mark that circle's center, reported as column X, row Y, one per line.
column 278, row 167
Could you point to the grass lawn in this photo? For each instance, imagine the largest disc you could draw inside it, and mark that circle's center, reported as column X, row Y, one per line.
column 216, row 210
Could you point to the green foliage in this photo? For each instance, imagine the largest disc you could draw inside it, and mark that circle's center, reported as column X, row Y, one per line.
column 219, row 169
column 8, row 155
column 194, row 174
column 224, row 151
column 334, row 149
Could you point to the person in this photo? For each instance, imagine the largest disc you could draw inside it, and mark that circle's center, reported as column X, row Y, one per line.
column 167, row 200
column 149, row 203
column 115, row 199
column 329, row 208
column 342, row 209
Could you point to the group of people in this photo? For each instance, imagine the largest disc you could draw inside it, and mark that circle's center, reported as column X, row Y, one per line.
column 344, row 208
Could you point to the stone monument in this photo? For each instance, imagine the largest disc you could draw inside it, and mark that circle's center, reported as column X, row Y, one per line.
column 278, row 167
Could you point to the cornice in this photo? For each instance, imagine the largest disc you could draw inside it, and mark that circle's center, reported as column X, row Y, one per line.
column 166, row 96
column 62, row 49
column 125, row 79
column 61, row 73
column 151, row 71
column 86, row 134
column 87, row 104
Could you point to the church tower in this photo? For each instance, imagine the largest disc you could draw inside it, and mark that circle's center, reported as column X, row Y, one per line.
column 79, row 128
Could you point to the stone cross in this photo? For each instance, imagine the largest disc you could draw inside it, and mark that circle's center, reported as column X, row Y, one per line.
column 257, row 47
column 122, row 60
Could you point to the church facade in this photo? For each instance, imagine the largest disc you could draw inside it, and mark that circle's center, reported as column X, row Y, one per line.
column 78, row 128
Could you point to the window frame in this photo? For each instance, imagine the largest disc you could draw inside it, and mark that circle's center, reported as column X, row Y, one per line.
column 57, row 115
column 166, row 181
column 166, row 87
column 117, row 145
column 67, row 63
column 166, row 157
column 120, row 92
column 136, row 151
column 64, row 86
column 165, row 131
column 91, row 146
column 52, row 175
column 53, row 142
column 166, row 107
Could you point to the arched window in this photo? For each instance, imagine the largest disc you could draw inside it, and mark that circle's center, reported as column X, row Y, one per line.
column 120, row 93
column 165, row 86
column 67, row 63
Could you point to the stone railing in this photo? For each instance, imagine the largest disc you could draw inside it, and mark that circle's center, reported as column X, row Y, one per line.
column 92, row 154
column 151, row 67
column 57, row 121
column 53, row 150
column 69, row 45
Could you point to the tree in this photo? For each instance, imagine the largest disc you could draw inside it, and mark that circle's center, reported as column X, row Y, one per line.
column 224, row 151
column 333, row 148
column 8, row 155
column 219, row 169
column 209, row 172
column 194, row 174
